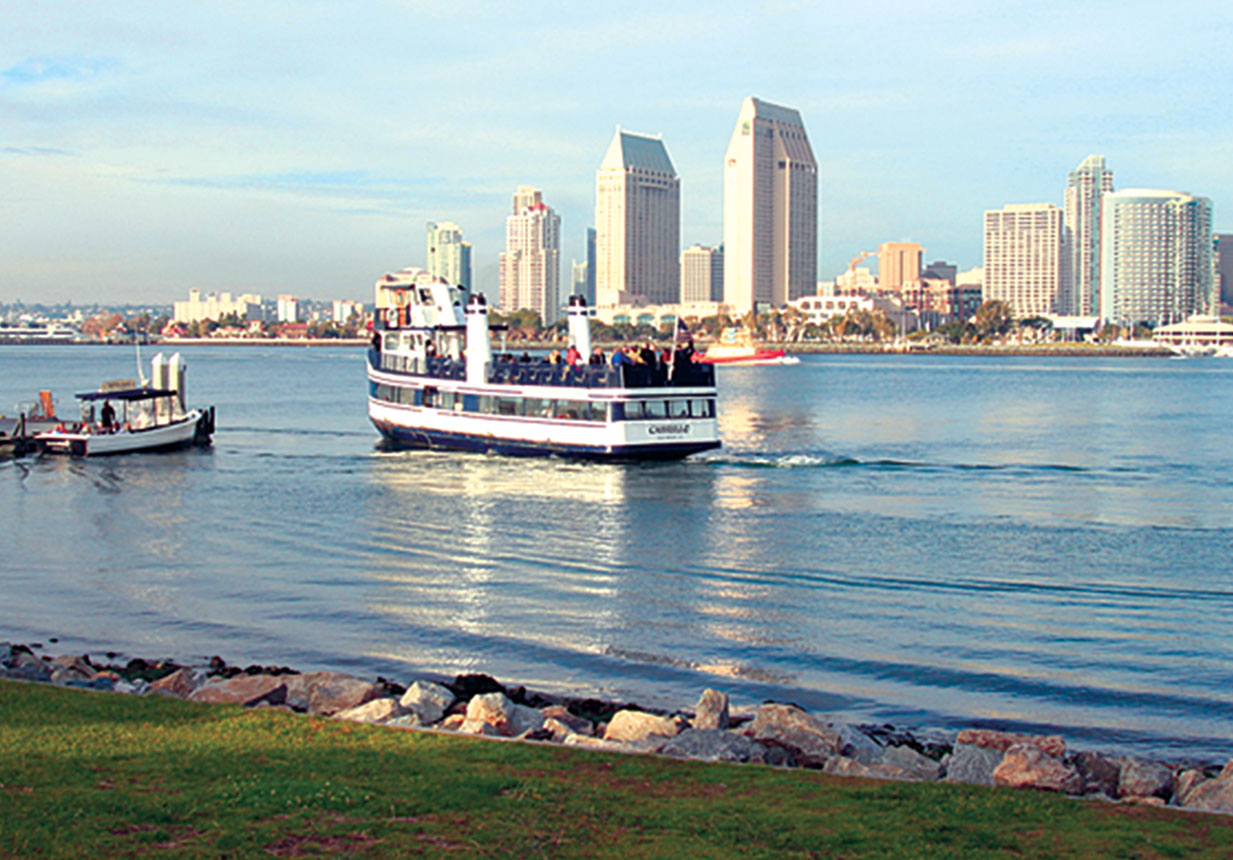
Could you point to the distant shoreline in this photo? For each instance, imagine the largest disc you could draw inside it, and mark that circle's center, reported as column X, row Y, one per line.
column 1017, row 350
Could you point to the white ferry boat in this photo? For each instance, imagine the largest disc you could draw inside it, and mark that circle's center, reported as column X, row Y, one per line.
column 148, row 418
column 38, row 333
column 433, row 382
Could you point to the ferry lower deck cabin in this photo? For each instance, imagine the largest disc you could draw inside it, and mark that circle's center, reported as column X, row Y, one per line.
column 434, row 382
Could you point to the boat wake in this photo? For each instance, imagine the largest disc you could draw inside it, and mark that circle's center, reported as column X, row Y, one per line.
column 824, row 460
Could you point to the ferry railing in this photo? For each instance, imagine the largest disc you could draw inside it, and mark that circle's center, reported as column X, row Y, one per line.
column 683, row 375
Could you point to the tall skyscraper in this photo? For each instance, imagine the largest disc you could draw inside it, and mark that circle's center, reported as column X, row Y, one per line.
column 590, row 290
column 448, row 256
column 770, row 208
column 941, row 270
column 1026, row 261
column 898, row 262
column 1156, row 258
column 1084, row 188
column 1224, row 266
column 702, row 274
column 530, row 265
column 637, row 222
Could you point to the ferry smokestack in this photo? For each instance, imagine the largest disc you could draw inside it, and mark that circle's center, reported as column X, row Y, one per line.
column 479, row 343
column 175, row 379
column 158, row 372
column 580, row 326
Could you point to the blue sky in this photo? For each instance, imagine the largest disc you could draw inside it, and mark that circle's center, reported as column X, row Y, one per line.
column 150, row 147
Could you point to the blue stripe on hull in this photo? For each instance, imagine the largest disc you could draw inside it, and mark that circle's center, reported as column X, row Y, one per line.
column 407, row 437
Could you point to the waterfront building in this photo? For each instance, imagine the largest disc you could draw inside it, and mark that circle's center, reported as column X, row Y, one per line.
column 1026, row 261
column 660, row 316
column 1196, row 331
column 215, row 306
column 770, row 208
column 898, row 263
column 1224, row 266
column 637, row 222
column 287, row 309
column 530, row 265
column 1156, row 260
column 1085, row 186
column 343, row 311
column 702, row 274
column 856, row 280
column 448, row 256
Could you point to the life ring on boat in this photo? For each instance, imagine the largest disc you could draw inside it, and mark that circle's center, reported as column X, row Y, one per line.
column 391, row 317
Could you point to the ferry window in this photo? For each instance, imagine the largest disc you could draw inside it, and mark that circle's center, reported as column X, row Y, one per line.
column 430, row 397
column 391, row 342
column 536, row 408
column 598, row 412
column 509, row 406
column 654, row 409
column 470, row 403
column 633, row 411
column 487, row 404
column 700, row 408
column 568, row 409
column 678, row 408
column 446, row 400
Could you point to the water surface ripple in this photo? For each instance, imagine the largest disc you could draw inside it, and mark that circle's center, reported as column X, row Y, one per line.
column 929, row 541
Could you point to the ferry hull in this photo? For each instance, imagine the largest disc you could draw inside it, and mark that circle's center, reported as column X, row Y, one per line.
column 398, row 436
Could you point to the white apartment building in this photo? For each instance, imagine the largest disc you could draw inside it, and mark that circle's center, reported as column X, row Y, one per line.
column 637, row 222
column 1085, row 186
column 448, row 256
column 1026, row 258
column 1156, row 257
column 770, row 208
column 530, row 265
column 343, row 310
column 216, row 306
column 702, row 274
column 288, row 309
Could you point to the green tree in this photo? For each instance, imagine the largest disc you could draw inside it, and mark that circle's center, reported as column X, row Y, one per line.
column 992, row 319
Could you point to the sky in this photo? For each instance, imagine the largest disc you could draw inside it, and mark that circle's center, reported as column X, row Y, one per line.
column 147, row 148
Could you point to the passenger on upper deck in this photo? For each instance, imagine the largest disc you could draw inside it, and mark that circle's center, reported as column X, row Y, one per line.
column 619, row 357
column 597, row 356
column 647, row 354
column 573, row 356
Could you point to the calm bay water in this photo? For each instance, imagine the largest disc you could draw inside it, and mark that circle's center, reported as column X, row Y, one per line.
column 928, row 541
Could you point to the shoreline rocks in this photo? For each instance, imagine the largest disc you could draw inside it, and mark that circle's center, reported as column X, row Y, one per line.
column 779, row 735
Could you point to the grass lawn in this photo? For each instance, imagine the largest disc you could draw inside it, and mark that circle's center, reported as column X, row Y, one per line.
column 90, row 775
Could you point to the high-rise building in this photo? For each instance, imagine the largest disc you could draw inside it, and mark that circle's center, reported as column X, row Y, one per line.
column 288, row 309
column 637, row 222
column 1084, row 188
column 1156, row 259
column 770, row 208
column 1026, row 262
column 449, row 257
column 941, row 270
column 530, row 265
column 702, row 274
column 1224, row 266
column 898, row 263
column 578, row 280
column 590, row 290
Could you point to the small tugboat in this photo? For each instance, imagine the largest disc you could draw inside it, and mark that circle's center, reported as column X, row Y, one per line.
column 150, row 417
column 433, row 383
column 736, row 346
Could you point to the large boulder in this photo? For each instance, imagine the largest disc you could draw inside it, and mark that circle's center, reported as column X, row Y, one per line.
column 246, row 690
column 857, row 745
column 180, row 684
column 562, row 715
column 1099, row 773
column 810, row 741
column 376, row 711
column 639, row 726
column 912, row 763
column 429, row 701
column 711, row 711
column 972, row 764
column 327, row 693
column 1141, row 777
column 1212, row 795
column 506, row 718
column 1049, row 744
column 712, row 745
column 24, row 666
column 1028, row 766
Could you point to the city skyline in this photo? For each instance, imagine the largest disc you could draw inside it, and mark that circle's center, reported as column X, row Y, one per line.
column 148, row 164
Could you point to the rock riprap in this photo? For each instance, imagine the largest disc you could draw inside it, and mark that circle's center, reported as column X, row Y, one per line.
column 780, row 734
